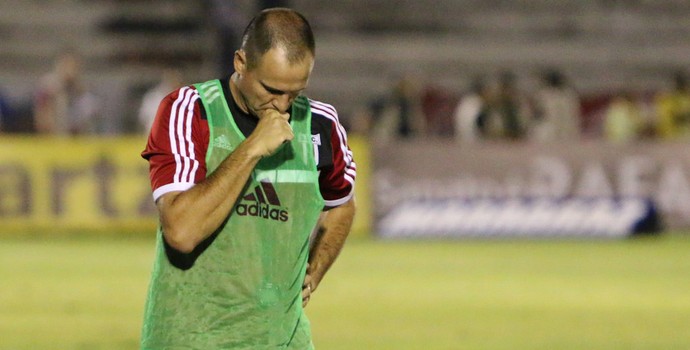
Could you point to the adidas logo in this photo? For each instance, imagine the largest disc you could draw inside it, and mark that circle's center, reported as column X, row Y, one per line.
column 262, row 203
column 222, row 142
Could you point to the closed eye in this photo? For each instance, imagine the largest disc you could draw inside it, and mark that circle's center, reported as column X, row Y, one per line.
column 274, row 91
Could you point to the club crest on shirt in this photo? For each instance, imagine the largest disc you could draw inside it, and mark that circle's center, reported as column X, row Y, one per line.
column 316, row 139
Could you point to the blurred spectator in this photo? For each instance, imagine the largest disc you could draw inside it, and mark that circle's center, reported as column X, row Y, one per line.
column 623, row 119
column 171, row 79
column 362, row 120
column 16, row 115
column 512, row 112
column 556, row 110
column 673, row 109
column 398, row 115
column 62, row 104
column 472, row 112
column 406, row 99
column 438, row 107
column 5, row 112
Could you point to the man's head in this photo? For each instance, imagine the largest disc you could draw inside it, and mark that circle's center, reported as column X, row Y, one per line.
column 275, row 61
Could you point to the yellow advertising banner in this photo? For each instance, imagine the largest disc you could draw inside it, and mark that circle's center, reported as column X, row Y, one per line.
column 64, row 184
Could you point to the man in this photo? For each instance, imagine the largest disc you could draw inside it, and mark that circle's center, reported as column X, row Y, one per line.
column 63, row 105
column 241, row 170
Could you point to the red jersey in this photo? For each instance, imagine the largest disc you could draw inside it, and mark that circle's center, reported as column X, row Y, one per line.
column 179, row 138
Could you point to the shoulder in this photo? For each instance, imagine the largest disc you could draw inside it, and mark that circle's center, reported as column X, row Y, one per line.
column 323, row 110
column 177, row 143
column 177, row 105
column 182, row 96
column 179, row 115
column 325, row 118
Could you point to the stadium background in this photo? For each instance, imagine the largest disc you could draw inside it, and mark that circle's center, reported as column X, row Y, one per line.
column 76, row 226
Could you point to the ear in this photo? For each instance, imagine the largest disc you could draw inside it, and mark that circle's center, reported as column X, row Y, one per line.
column 240, row 61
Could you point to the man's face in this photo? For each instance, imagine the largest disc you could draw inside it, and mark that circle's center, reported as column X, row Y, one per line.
column 274, row 83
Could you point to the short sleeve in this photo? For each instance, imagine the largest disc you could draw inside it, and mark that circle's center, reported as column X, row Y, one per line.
column 336, row 182
column 177, row 144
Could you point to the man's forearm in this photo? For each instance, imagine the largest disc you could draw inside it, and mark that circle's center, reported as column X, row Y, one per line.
column 191, row 216
column 330, row 240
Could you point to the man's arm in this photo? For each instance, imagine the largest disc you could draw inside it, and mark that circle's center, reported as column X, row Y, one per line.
column 190, row 216
column 328, row 243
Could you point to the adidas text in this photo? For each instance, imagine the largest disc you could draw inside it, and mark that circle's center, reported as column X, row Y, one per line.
column 262, row 210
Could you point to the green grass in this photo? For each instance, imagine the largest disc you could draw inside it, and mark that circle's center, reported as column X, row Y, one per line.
column 88, row 293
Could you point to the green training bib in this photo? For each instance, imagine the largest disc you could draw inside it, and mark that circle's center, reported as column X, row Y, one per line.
column 244, row 290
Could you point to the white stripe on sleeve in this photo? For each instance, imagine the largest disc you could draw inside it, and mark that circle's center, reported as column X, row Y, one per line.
column 181, row 144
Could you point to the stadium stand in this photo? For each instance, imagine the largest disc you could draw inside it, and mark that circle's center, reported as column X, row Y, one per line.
column 123, row 43
column 601, row 44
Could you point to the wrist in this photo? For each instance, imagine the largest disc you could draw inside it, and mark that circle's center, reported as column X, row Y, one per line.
column 251, row 149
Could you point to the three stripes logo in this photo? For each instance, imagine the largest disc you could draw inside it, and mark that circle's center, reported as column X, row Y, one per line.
column 262, row 202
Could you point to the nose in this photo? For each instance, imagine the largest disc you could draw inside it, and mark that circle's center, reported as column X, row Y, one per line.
column 282, row 102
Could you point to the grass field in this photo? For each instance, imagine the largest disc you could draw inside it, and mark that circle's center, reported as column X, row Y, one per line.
column 88, row 293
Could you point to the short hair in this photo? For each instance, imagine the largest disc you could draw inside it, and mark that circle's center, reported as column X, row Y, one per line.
column 278, row 27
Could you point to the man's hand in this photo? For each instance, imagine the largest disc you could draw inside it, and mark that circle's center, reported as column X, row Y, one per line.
column 307, row 287
column 272, row 131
